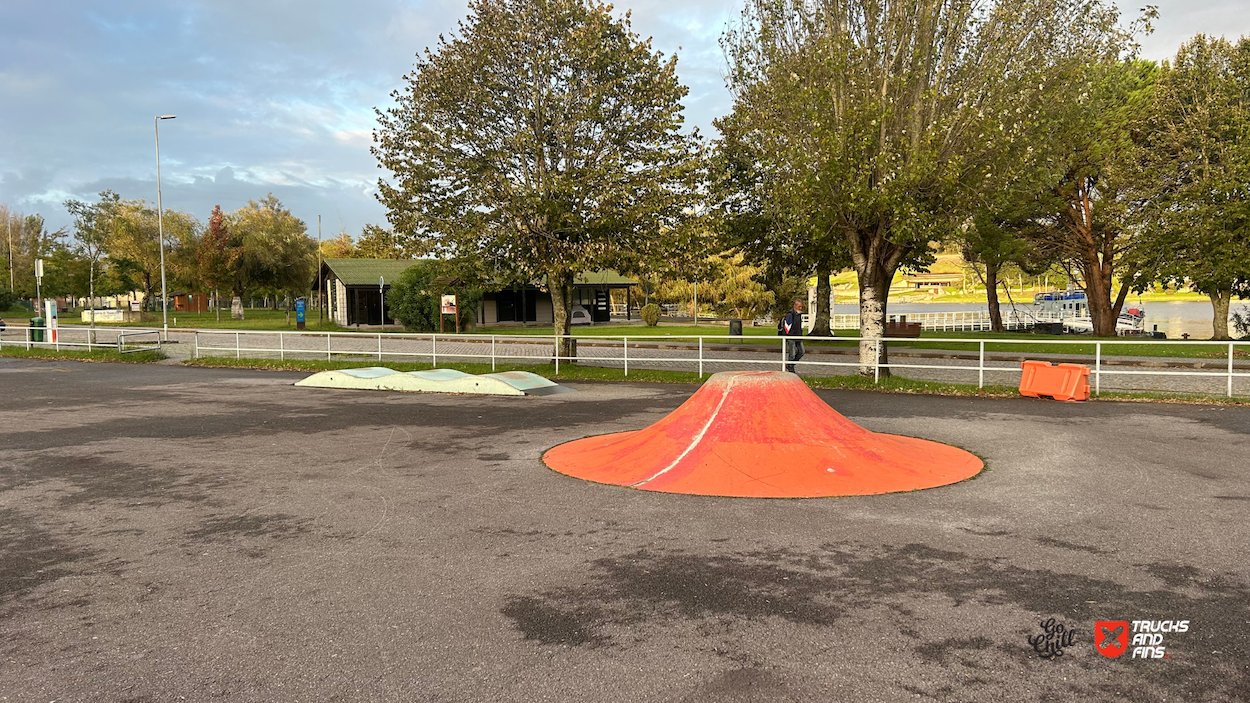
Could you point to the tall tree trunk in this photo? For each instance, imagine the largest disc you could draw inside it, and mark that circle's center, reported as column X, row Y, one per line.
column 822, row 328
column 991, row 296
column 1220, row 301
column 217, row 303
column 560, row 283
column 874, row 292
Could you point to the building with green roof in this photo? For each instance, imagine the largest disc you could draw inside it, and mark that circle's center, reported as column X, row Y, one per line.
column 354, row 291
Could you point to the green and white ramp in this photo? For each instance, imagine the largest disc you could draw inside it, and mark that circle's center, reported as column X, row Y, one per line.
column 378, row 378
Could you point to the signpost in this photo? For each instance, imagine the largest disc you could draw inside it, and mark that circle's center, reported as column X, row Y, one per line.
column 299, row 314
column 448, row 307
column 39, row 281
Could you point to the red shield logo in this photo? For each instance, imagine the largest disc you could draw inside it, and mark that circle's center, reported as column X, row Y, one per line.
column 1111, row 637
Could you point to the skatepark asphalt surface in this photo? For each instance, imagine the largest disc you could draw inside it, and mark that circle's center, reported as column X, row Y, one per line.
column 201, row 534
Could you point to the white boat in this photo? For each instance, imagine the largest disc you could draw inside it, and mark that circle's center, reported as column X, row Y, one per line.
column 1071, row 307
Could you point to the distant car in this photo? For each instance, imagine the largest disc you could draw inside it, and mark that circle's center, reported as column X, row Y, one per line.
column 580, row 316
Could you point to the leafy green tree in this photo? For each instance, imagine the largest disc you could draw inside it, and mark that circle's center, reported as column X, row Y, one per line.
column 544, row 140
column 1087, row 212
column 380, row 243
column 275, row 252
column 132, row 241
column 91, row 233
column 890, row 121
column 217, row 256
column 1195, row 174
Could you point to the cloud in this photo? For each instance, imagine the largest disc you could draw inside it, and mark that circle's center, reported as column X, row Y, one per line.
column 279, row 95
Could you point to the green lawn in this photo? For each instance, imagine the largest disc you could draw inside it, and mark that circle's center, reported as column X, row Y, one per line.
column 574, row 372
column 139, row 357
column 257, row 319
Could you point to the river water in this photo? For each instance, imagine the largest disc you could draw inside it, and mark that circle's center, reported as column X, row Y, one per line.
column 1190, row 317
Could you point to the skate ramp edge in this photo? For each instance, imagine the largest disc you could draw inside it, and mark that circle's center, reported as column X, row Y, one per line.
column 378, row 378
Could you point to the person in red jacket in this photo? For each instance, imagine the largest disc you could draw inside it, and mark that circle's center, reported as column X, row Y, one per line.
column 792, row 326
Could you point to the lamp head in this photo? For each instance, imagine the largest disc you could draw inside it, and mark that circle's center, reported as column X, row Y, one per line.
column 166, row 117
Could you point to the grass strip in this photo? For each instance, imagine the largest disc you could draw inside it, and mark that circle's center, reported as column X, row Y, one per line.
column 575, row 372
column 94, row 355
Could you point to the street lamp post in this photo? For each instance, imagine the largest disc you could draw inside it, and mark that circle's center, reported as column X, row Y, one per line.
column 382, row 294
column 160, row 222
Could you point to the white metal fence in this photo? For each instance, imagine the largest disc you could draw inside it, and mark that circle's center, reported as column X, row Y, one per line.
column 702, row 354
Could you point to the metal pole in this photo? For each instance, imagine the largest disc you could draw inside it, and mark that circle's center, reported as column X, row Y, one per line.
column 328, row 338
column 434, row 350
column 236, row 345
column 783, row 354
column 320, row 300
column 556, row 349
column 195, row 350
column 492, row 352
column 160, row 223
column 626, row 350
column 700, row 357
column 981, row 367
column 8, row 224
column 281, row 346
column 379, row 346
column 1098, row 368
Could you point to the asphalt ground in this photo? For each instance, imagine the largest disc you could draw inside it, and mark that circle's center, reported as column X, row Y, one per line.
column 204, row 534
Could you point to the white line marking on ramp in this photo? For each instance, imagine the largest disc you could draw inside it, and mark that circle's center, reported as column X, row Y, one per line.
column 694, row 442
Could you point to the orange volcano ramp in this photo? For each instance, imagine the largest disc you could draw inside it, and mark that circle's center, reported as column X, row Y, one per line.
column 761, row 434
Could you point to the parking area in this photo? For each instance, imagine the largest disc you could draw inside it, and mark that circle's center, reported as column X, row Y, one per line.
column 218, row 534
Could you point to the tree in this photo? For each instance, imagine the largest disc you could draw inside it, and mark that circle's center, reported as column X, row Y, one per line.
column 133, row 241
column 217, row 256
column 1195, row 173
column 341, row 247
column 380, row 243
column 275, row 252
column 544, row 140
column 891, row 120
column 1087, row 212
column 992, row 240
column 91, row 231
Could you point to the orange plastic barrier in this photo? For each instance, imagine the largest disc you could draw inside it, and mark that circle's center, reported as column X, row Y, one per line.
column 1062, row 382
column 761, row 434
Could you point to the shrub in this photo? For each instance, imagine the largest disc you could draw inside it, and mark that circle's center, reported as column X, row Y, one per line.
column 414, row 299
column 6, row 299
column 650, row 314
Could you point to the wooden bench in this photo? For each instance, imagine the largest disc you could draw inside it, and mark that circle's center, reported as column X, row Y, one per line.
column 903, row 329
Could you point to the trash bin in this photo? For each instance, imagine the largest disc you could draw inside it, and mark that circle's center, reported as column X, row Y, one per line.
column 36, row 329
column 735, row 327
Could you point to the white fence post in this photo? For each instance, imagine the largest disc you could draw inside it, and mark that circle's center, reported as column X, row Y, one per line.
column 981, row 367
column 281, row 347
column 556, row 350
column 236, row 345
column 876, row 361
column 195, row 349
column 1230, row 369
column 328, row 345
column 625, row 348
column 492, row 352
column 783, row 354
column 28, row 338
column 433, row 350
column 700, row 357
column 1097, row 368
column 379, row 346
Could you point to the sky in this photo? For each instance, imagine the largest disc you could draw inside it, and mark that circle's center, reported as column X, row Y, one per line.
column 279, row 95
